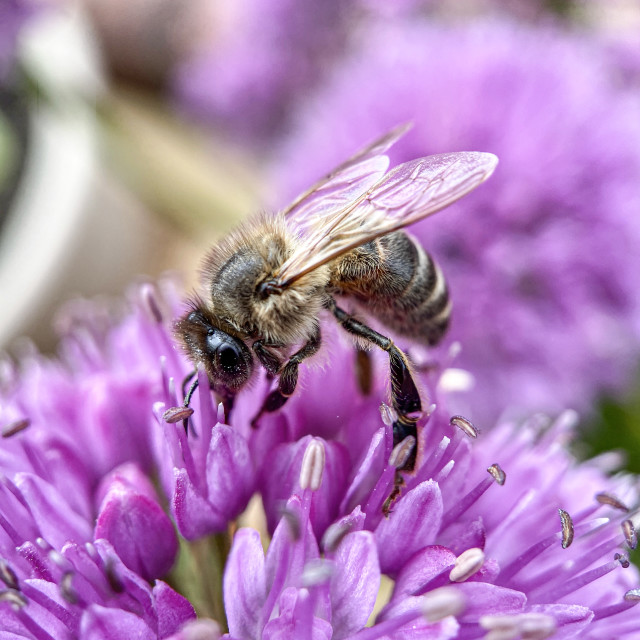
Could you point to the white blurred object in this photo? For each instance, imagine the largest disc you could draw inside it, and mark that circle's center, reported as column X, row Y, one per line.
column 71, row 230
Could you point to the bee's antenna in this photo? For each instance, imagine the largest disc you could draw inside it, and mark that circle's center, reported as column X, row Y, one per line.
column 187, row 400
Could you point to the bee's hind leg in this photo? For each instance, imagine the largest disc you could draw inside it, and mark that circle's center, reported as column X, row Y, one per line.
column 288, row 374
column 404, row 392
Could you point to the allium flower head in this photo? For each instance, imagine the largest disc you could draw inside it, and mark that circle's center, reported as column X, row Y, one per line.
column 542, row 261
column 535, row 547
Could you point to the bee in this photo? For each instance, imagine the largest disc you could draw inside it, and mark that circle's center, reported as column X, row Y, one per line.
column 268, row 282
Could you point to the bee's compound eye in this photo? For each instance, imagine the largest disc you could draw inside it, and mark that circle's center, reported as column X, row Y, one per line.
column 228, row 357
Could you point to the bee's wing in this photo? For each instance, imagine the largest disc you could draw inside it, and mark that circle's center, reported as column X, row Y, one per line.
column 344, row 185
column 408, row 193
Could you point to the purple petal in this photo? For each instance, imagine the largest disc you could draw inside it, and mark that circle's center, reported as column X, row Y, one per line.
column 412, row 525
column 173, row 609
column 102, row 623
column 128, row 474
column 355, row 583
column 230, row 474
column 296, row 619
column 367, row 474
column 423, row 567
column 461, row 536
column 56, row 521
column 406, row 621
column 47, row 609
column 138, row 529
column 488, row 599
column 281, row 479
column 244, row 584
column 136, row 592
column 290, row 550
column 193, row 513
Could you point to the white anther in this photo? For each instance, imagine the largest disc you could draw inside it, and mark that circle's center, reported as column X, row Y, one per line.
column 468, row 563
column 527, row 626
column 312, row 465
column 536, row 626
column 388, row 415
column 441, row 603
column 465, row 425
column 317, row 572
column 566, row 421
column 455, row 349
column 455, row 380
column 401, row 452
column 201, row 629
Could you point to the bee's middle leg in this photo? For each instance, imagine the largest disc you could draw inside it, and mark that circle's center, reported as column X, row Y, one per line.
column 288, row 376
column 404, row 392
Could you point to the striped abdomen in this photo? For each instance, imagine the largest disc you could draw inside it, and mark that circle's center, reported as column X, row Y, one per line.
column 396, row 281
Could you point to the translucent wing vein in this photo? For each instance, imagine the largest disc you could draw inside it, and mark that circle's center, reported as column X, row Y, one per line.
column 408, row 193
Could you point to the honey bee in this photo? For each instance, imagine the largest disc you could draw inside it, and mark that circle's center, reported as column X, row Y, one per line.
column 267, row 283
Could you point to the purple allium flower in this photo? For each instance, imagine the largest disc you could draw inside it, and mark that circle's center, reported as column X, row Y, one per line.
column 81, row 533
column 212, row 474
column 493, row 552
column 262, row 54
column 470, row 553
column 131, row 519
column 59, row 584
column 542, row 261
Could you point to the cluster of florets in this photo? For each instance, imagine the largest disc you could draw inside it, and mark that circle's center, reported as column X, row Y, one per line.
column 498, row 533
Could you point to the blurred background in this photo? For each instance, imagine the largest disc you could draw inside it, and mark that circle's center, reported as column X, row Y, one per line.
column 135, row 133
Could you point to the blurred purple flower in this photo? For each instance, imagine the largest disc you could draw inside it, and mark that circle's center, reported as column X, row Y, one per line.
column 260, row 57
column 542, row 261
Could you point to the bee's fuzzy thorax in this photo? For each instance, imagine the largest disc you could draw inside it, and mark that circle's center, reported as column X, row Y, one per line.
column 233, row 271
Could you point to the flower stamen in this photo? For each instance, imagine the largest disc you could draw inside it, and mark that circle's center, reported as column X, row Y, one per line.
column 498, row 473
column 630, row 534
column 8, row 576
column 312, row 467
column 465, row 425
column 468, row 563
column 16, row 599
column 66, row 588
column 442, row 603
column 567, row 528
column 401, row 452
column 613, row 501
column 533, row 626
column 14, row 427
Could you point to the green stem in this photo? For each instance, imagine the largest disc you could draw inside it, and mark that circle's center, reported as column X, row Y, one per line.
column 198, row 574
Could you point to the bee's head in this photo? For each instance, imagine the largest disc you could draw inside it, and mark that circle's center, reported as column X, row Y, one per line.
column 226, row 359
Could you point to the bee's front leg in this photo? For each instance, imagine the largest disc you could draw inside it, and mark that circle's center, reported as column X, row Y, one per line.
column 288, row 374
column 267, row 358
